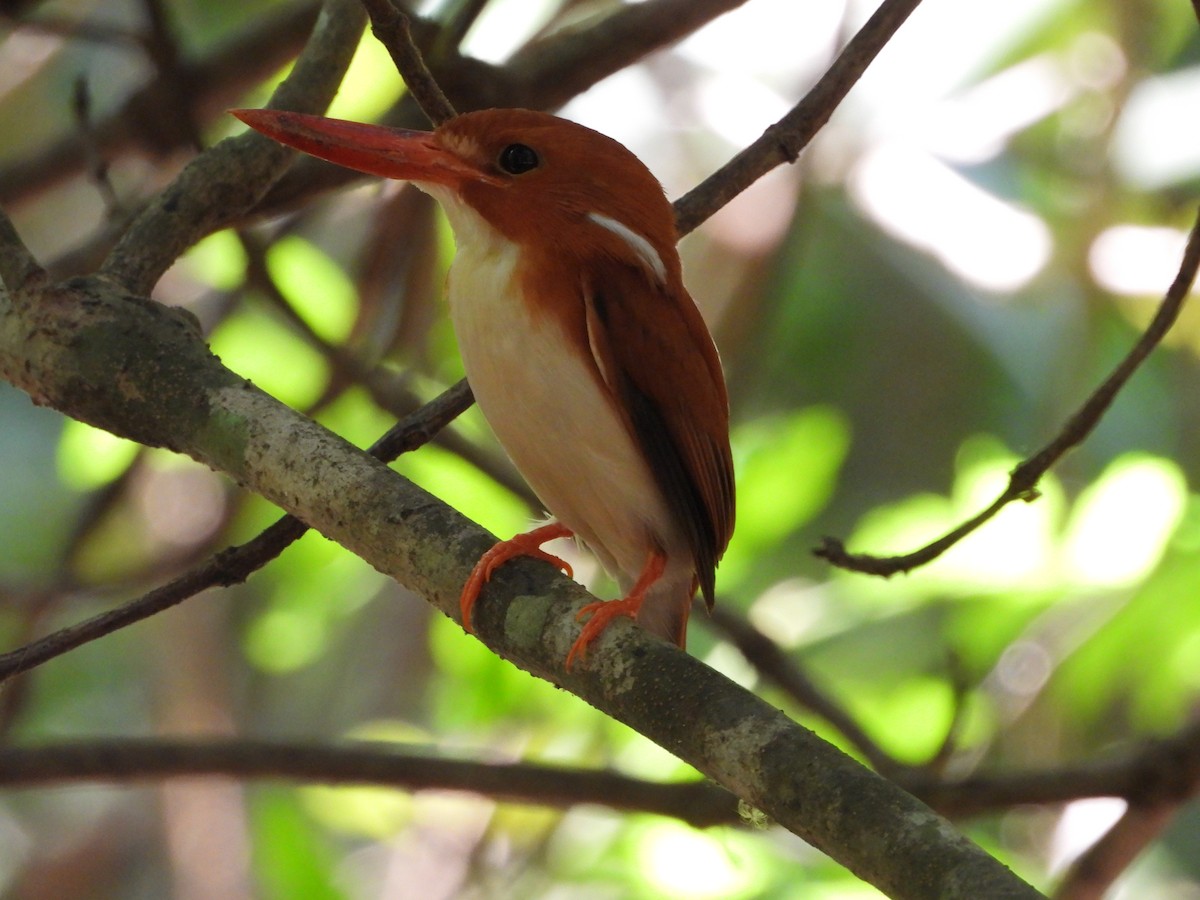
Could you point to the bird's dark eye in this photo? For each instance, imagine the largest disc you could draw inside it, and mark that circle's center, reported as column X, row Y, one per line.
column 517, row 159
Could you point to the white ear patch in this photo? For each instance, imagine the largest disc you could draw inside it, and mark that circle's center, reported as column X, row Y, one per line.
column 643, row 248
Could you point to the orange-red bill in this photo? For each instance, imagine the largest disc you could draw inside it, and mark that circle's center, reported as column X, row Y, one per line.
column 374, row 149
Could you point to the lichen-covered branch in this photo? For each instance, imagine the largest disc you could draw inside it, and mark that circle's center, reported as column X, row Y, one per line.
column 139, row 370
column 97, row 349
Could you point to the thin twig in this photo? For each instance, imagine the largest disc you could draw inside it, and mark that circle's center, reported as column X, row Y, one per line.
column 1163, row 772
column 700, row 803
column 783, row 141
column 235, row 564
column 1022, row 483
column 81, row 107
column 393, row 29
column 221, row 75
column 961, row 691
column 1155, row 778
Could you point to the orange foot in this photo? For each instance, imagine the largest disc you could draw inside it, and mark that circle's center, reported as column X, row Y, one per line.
column 602, row 612
column 528, row 544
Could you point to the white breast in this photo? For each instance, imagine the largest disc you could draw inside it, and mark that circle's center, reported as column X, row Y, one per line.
column 543, row 401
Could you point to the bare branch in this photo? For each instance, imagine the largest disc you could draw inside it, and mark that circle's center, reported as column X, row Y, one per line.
column 227, row 567
column 1155, row 779
column 549, row 72
column 393, row 29
column 73, row 349
column 1022, row 483
column 543, row 75
column 699, row 803
column 783, row 141
column 231, row 177
column 219, row 77
column 1164, row 772
column 423, row 425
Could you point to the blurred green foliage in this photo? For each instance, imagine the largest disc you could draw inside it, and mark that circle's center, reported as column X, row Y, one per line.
column 878, row 395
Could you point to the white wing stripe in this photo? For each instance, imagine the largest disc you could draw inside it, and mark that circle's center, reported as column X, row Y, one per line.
column 642, row 247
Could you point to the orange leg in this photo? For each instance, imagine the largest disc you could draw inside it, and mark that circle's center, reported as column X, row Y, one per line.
column 528, row 544
column 602, row 612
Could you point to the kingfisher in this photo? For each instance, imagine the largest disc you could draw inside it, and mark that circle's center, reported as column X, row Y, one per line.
column 586, row 354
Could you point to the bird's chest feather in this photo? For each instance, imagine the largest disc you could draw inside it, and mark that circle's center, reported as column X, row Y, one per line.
column 541, row 394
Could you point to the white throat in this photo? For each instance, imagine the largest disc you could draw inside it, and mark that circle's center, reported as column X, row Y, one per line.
column 548, row 408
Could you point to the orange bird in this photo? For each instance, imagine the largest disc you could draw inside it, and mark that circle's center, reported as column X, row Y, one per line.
column 584, row 350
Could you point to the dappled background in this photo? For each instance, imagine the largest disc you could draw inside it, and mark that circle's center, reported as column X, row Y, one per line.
column 923, row 299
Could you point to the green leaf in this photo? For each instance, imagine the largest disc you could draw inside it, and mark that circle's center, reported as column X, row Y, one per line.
column 1121, row 523
column 259, row 348
column 787, row 470
column 316, row 286
column 89, row 458
column 291, row 860
column 218, row 261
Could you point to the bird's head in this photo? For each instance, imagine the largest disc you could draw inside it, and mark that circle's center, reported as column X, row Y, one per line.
column 535, row 178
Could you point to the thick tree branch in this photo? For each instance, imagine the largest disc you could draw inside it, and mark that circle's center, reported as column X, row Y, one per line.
column 1022, row 482
column 139, row 370
column 781, row 670
column 98, row 350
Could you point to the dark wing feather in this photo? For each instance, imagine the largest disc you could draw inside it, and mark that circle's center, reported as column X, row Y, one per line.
column 654, row 352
